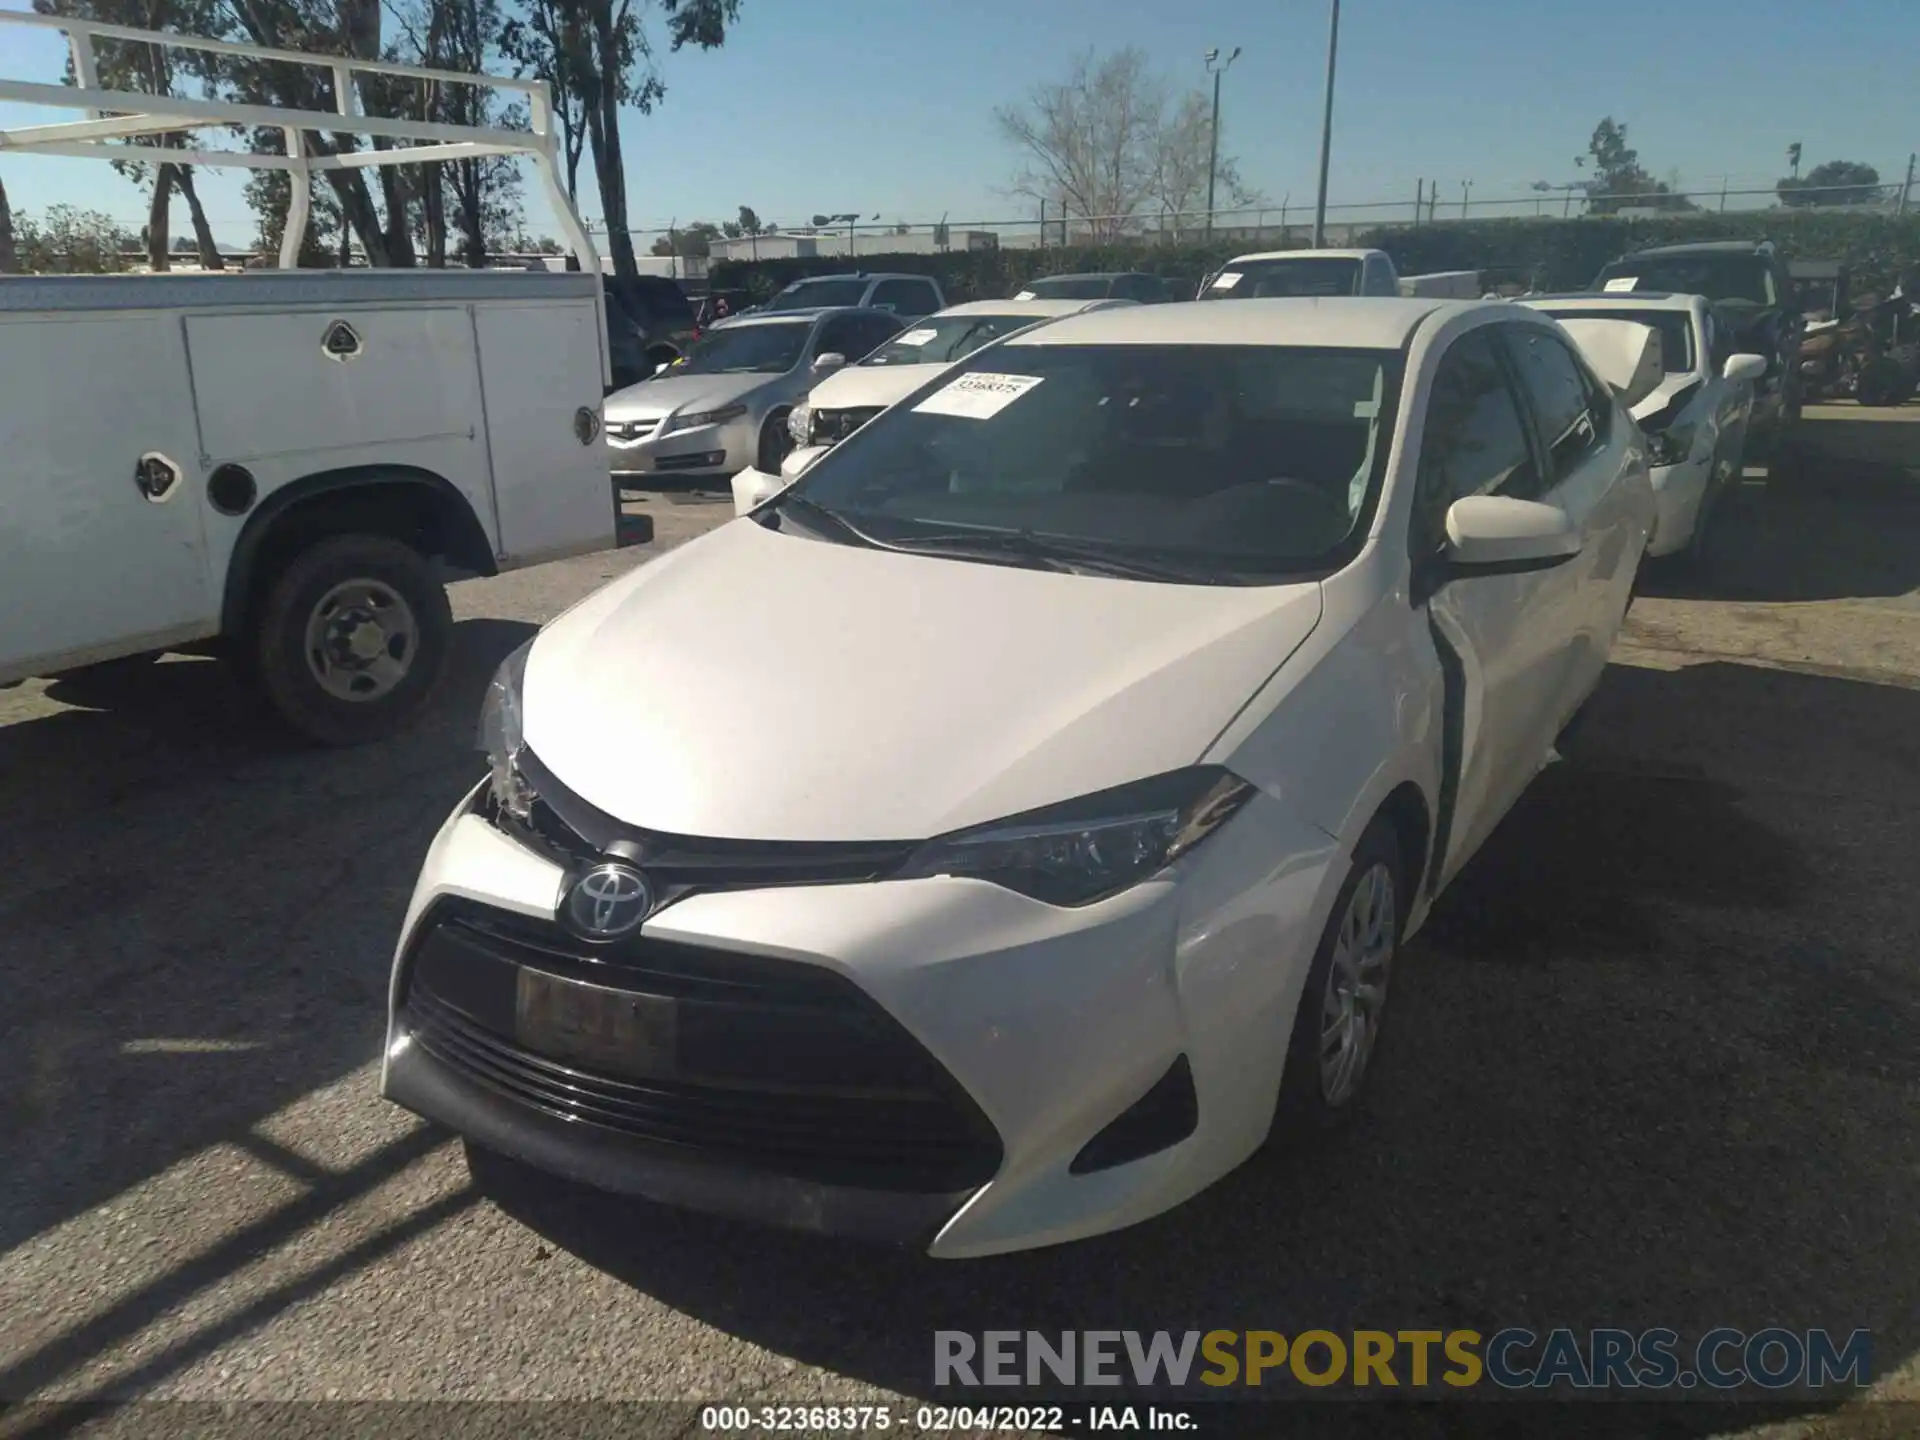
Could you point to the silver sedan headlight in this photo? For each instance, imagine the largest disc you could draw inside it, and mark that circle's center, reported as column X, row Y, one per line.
column 1087, row 849
column 800, row 422
column 503, row 736
column 693, row 418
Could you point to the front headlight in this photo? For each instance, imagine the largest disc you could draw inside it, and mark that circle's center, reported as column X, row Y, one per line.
column 1670, row 446
column 1087, row 849
column 800, row 422
column 503, row 735
column 702, row 417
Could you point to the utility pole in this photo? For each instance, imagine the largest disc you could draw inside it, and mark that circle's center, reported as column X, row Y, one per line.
column 1216, row 67
column 1326, row 132
column 1723, row 193
column 1419, row 198
column 1466, row 189
column 1043, row 224
column 1906, row 187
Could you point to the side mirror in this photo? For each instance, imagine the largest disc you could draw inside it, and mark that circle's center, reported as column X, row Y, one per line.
column 753, row 488
column 796, row 464
column 1495, row 534
column 1745, row 367
column 829, row 362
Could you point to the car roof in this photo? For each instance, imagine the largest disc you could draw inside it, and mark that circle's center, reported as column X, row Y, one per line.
column 1039, row 309
column 801, row 317
column 1093, row 275
column 859, row 275
column 1346, row 321
column 1697, row 247
column 1615, row 300
column 1300, row 255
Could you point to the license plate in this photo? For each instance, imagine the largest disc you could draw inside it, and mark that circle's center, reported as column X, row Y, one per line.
column 610, row 1030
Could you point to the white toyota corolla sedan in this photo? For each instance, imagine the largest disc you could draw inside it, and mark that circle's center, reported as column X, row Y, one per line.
column 1010, row 827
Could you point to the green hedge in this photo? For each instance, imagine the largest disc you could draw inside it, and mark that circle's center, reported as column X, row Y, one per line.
column 1549, row 254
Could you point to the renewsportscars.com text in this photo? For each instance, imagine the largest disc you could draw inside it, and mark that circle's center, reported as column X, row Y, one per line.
column 1510, row 1359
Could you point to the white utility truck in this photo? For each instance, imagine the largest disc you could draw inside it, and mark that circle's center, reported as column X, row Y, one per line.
column 287, row 465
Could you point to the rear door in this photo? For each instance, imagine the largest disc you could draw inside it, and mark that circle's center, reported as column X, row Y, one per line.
column 102, row 540
column 909, row 299
column 1501, row 637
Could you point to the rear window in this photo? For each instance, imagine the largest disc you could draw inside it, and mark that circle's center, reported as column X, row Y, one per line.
column 656, row 302
column 1726, row 279
column 1264, row 279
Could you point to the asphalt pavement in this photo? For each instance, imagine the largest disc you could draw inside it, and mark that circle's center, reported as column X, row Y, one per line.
column 1652, row 1064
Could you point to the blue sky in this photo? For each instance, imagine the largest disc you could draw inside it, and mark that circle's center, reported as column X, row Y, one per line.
column 886, row 105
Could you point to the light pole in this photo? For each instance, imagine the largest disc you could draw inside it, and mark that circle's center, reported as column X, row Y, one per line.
column 1216, row 67
column 1326, row 133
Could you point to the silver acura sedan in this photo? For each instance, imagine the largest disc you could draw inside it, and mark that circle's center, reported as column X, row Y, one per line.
column 723, row 407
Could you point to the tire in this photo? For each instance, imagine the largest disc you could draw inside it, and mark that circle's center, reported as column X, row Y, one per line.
column 1883, row 383
column 1311, row 1104
column 775, row 443
column 351, row 639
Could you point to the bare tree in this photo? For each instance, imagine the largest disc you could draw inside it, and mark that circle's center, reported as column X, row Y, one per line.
column 1089, row 143
column 1182, row 158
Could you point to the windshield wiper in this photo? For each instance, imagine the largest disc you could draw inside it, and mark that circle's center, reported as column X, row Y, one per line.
column 1072, row 556
column 843, row 531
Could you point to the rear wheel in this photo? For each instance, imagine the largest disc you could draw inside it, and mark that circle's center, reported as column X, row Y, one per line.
column 352, row 638
column 1336, row 1029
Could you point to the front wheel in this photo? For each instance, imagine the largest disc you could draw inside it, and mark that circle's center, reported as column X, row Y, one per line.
column 352, row 638
column 776, row 442
column 1336, row 1029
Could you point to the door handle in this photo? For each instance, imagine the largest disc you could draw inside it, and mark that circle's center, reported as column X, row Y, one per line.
column 155, row 476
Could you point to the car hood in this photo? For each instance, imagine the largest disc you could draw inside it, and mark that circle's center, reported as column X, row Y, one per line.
column 759, row 685
column 862, row 386
column 665, row 394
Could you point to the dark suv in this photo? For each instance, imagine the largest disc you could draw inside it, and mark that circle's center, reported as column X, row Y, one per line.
column 1752, row 290
column 650, row 323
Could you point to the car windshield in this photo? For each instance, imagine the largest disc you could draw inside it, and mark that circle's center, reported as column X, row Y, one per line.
column 1262, row 279
column 1069, row 287
column 1674, row 326
column 1727, row 279
column 1239, row 464
column 769, row 349
column 816, row 294
column 942, row 339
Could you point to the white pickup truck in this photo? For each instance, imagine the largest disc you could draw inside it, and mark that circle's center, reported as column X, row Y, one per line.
column 287, row 464
column 1298, row 273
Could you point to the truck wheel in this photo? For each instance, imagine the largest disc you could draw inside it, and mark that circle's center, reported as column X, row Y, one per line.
column 352, row 638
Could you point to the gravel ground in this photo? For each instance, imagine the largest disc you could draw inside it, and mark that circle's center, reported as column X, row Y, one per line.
column 1652, row 1064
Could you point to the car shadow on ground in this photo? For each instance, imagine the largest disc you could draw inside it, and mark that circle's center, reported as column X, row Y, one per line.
column 1825, row 536
column 1651, row 1065
column 197, row 915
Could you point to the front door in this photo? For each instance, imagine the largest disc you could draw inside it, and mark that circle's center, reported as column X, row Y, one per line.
column 101, row 542
column 1501, row 638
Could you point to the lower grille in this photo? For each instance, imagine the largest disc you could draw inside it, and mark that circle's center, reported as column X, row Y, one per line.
column 777, row 1066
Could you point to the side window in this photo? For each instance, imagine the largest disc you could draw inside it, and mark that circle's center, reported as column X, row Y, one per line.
column 839, row 337
column 870, row 332
column 1376, row 279
column 1561, row 395
column 905, row 297
column 1474, row 442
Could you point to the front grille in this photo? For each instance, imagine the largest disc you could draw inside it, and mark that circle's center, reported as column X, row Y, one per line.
column 631, row 429
column 777, row 1065
column 832, row 426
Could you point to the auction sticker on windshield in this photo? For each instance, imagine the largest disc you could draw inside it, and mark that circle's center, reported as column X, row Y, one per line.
column 916, row 337
column 1623, row 282
column 1227, row 280
column 979, row 396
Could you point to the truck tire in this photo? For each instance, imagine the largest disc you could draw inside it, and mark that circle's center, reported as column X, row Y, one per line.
column 351, row 638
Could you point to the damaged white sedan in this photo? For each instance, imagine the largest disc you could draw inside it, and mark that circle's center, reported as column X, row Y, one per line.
column 1011, row 825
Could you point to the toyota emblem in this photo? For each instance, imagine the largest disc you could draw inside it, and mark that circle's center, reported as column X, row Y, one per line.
column 609, row 901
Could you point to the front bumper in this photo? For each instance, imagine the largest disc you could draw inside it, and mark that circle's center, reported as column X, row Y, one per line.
column 1048, row 1023
column 702, row 452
